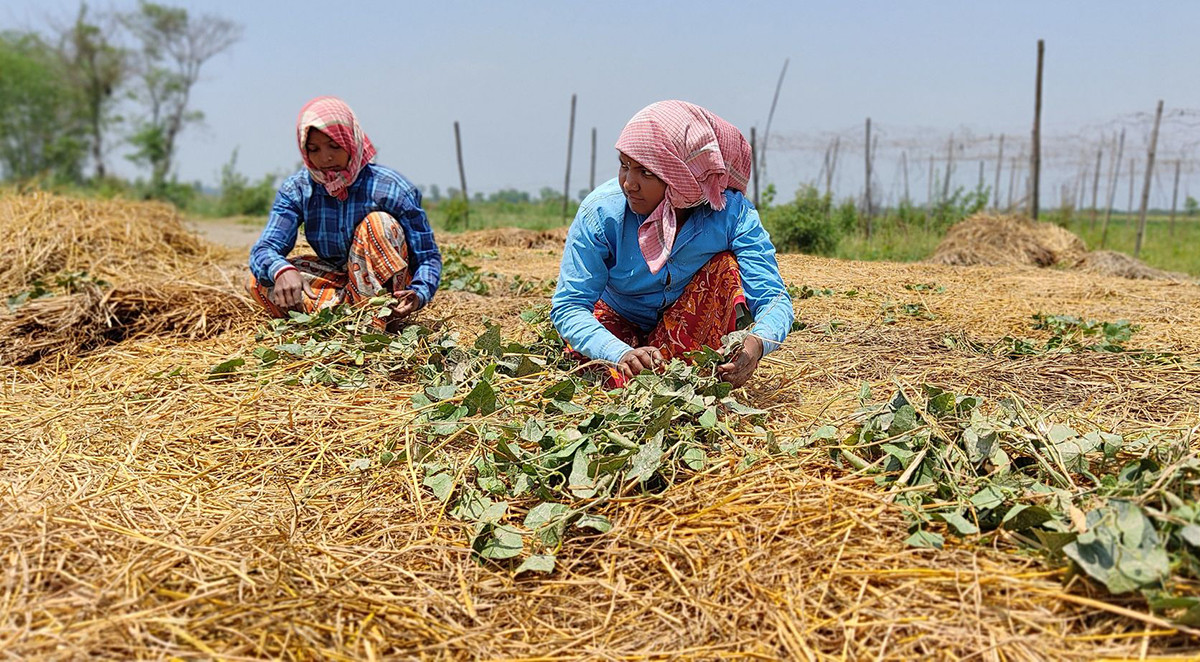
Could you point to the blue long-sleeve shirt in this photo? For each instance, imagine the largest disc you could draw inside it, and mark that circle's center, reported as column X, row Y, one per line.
column 602, row 261
column 329, row 224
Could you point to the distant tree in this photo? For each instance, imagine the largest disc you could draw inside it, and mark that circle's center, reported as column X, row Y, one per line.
column 510, row 195
column 41, row 128
column 241, row 198
column 583, row 193
column 173, row 46
column 98, row 68
column 435, row 194
column 1191, row 206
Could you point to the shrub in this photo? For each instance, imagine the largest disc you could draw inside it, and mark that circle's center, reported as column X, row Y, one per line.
column 809, row 224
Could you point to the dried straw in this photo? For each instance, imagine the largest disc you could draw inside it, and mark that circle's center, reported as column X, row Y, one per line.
column 148, row 511
column 510, row 238
column 998, row 240
column 1112, row 263
column 109, row 239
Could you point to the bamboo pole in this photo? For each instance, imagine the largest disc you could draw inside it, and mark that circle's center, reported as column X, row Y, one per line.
column 999, row 167
column 1141, row 231
column 1112, row 189
column 570, row 145
column 462, row 176
column 1174, row 199
column 1096, row 181
column 867, row 195
column 592, row 172
column 754, row 162
column 1036, row 158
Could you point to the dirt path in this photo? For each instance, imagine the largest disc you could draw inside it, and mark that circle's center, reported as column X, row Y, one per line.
column 234, row 233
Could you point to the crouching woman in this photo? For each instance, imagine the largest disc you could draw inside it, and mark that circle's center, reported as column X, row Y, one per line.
column 670, row 256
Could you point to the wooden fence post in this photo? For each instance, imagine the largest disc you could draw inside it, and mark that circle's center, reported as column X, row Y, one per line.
column 754, row 162
column 904, row 166
column 1096, row 180
column 1141, row 231
column 867, row 200
column 999, row 167
column 949, row 169
column 1036, row 162
column 570, row 144
column 837, row 146
column 462, row 177
column 1112, row 189
column 1174, row 198
column 592, row 174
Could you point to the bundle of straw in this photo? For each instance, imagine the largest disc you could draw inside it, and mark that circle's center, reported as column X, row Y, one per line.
column 986, row 239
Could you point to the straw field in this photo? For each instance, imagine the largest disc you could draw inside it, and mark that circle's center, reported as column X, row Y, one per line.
column 150, row 510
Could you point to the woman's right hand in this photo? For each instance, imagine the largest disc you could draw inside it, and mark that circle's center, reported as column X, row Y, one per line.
column 290, row 290
column 639, row 359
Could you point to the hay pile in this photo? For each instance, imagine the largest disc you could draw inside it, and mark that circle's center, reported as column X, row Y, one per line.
column 1112, row 263
column 158, row 278
column 1000, row 240
column 113, row 240
column 151, row 512
column 509, row 238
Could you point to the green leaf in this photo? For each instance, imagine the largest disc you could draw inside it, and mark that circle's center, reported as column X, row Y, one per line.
column 661, row 421
column 439, row 393
column 904, row 421
column 490, row 341
column 598, row 523
column 962, row 525
column 442, row 485
column 226, row 369
column 527, row 367
column 708, row 420
column 543, row 563
column 925, row 540
column 499, row 542
column 987, row 498
column 1120, row 548
column 694, row 458
column 548, row 521
column 562, row 391
column 1022, row 517
column 481, row 400
column 1191, row 535
column 647, row 461
column 741, row 409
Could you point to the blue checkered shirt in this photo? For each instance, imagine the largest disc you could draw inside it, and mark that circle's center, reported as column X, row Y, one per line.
column 329, row 224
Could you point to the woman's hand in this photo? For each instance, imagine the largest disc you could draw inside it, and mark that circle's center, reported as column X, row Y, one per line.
column 290, row 290
column 639, row 359
column 743, row 363
column 407, row 303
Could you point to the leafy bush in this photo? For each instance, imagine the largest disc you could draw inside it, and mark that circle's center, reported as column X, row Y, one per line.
column 456, row 210
column 808, row 224
column 241, row 198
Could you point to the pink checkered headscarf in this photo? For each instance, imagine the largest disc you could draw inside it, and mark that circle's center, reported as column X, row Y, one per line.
column 696, row 153
column 331, row 116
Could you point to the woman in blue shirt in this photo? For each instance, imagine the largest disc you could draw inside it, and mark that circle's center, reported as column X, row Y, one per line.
column 665, row 258
column 364, row 221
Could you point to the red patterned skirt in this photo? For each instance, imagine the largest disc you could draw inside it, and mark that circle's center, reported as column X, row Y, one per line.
column 705, row 311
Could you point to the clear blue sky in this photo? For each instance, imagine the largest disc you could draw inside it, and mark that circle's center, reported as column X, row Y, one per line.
column 506, row 72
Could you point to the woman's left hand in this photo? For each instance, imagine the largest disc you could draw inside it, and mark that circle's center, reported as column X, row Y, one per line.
column 407, row 304
column 743, row 363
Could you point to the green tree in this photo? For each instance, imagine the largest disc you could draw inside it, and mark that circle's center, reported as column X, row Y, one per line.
column 173, row 48
column 1191, row 206
column 98, row 68
column 241, row 198
column 41, row 132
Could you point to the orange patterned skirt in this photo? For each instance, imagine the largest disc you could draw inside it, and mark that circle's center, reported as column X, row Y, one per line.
column 705, row 311
column 378, row 259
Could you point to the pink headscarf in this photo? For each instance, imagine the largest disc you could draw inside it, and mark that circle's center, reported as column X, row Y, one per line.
column 696, row 153
column 331, row 116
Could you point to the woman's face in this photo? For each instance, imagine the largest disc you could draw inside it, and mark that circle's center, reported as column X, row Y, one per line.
column 643, row 189
column 324, row 153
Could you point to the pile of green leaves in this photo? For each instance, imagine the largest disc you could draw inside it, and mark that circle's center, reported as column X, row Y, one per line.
column 64, row 283
column 458, row 274
column 1125, row 512
column 1068, row 335
column 546, row 447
